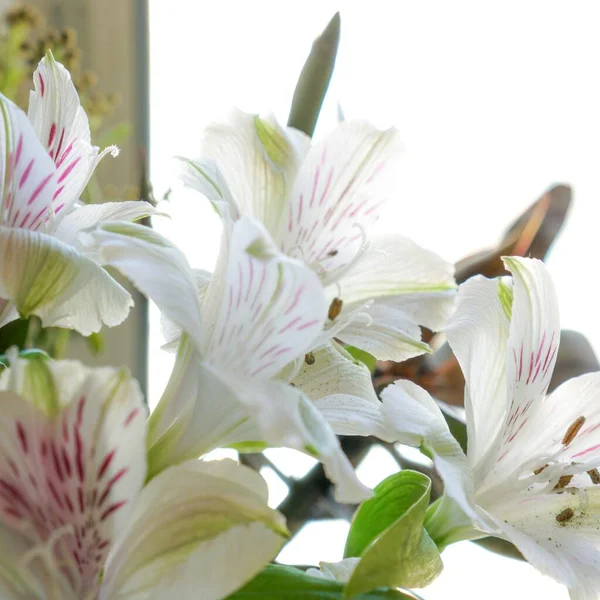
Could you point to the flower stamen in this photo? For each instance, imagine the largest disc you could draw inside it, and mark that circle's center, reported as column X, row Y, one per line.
column 563, row 482
column 335, row 308
column 573, row 430
column 565, row 515
column 309, row 358
column 594, row 476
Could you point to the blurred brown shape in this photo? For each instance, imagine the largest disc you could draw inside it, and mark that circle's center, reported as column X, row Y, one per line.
column 532, row 234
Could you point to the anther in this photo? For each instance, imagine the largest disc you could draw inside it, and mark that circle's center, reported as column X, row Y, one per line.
column 309, row 358
column 538, row 471
column 565, row 515
column 563, row 482
column 335, row 308
column 332, row 253
column 594, row 476
column 573, row 430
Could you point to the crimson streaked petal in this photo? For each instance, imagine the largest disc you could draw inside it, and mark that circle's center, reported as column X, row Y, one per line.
column 28, row 178
column 72, row 459
column 270, row 308
column 338, row 195
column 62, row 127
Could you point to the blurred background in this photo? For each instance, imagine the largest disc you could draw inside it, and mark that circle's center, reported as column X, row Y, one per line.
column 497, row 102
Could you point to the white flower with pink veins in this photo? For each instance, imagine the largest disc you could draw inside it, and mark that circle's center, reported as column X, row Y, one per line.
column 79, row 519
column 531, row 471
column 319, row 203
column 46, row 160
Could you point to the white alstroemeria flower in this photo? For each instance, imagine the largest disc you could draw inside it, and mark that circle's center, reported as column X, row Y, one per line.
column 46, row 160
column 75, row 523
column 530, row 474
column 319, row 204
column 242, row 327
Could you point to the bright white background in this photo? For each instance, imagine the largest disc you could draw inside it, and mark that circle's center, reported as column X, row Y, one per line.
column 496, row 101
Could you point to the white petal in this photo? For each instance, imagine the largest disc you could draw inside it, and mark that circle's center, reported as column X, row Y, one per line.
column 202, row 529
column 156, row 267
column 286, row 417
column 478, row 336
column 567, row 551
column 270, row 308
column 396, row 267
column 544, row 436
column 385, row 332
column 171, row 332
column 342, row 389
column 27, row 174
column 256, row 158
column 89, row 215
column 188, row 420
column 71, row 453
column 62, row 126
column 532, row 345
column 335, row 371
column 204, row 176
column 64, row 288
column 418, row 421
column 339, row 191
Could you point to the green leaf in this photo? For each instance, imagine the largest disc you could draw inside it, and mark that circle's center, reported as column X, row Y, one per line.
column 288, row 583
column 387, row 533
column 314, row 79
column 364, row 357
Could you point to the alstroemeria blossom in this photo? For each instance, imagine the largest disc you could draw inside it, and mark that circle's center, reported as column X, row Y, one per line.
column 530, row 472
column 319, row 204
column 75, row 522
column 237, row 332
column 46, row 159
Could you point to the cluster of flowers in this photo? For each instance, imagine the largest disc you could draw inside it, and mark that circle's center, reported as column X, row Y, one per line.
column 97, row 500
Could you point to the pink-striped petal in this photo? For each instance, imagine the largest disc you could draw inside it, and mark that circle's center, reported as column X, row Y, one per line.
column 270, row 307
column 62, row 127
column 338, row 195
column 72, row 460
column 28, row 178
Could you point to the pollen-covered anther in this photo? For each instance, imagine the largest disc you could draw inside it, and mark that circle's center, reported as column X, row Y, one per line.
column 594, row 476
column 565, row 515
column 335, row 308
column 309, row 358
column 538, row 471
column 573, row 430
column 332, row 253
column 563, row 482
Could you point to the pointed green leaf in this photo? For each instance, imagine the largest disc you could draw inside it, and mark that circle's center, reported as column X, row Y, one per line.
column 314, row 79
column 387, row 533
column 287, row 583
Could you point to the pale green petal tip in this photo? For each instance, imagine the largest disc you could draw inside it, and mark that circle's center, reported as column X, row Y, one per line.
column 274, row 142
column 505, row 294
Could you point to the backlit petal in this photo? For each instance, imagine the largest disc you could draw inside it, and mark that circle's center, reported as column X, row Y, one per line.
column 200, row 530
column 62, row 127
column 532, row 345
column 256, row 158
column 72, row 460
column 417, row 420
column 478, row 336
column 45, row 277
column 90, row 215
column 156, row 267
column 269, row 309
column 567, row 550
column 338, row 194
column 28, row 178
